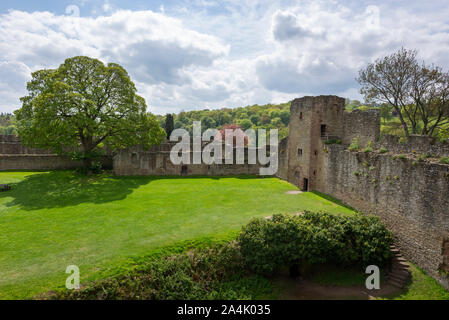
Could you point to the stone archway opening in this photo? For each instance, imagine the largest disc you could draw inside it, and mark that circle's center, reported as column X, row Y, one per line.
column 305, row 186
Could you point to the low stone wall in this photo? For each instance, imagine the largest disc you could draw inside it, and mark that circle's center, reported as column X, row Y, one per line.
column 37, row 162
column 11, row 145
column 15, row 156
column 411, row 198
column 283, row 160
column 414, row 144
column 157, row 162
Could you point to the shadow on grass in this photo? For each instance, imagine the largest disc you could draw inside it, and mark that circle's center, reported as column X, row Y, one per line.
column 334, row 200
column 58, row 189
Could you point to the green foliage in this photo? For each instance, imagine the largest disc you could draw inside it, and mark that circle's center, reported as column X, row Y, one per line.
column 95, row 168
column 369, row 148
column 355, row 145
column 285, row 117
column 169, row 125
column 333, row 141
column 386, row 110
column 403, row 140
column 254, row 117
column 444, row 160
column 245, row 124
column 7, row 124
column 383, row 150
column 422, row 287
column 353, row 105
column 314, row 238
column 416, row 91
column 200, row 274
column 83, row 104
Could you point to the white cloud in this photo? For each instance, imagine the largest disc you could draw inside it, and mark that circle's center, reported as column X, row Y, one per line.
column 214, row 54
column 320, row 46
column 155, row 49
column 286, row 26
column 13, row 78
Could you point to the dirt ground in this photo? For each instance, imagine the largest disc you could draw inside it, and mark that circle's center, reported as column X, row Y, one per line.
column 308, row 290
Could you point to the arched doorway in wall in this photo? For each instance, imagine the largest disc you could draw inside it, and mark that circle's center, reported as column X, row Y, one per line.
column 305, row 185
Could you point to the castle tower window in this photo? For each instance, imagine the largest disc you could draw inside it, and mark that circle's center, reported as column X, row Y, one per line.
column 300, row 116
column 323, row 130
column 316, row 152
column 300, row 152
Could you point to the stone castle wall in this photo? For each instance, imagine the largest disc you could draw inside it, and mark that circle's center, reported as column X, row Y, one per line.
column 412, row 199
column 414, row 144
column 361, row 125
column 11, row 145
column 157, row 162
column 15, row 156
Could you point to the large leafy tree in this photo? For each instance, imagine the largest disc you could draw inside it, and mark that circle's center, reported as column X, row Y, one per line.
column 419, row 93
column 83, row 106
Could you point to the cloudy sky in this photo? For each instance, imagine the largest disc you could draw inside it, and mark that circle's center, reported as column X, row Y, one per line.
column 196, row 54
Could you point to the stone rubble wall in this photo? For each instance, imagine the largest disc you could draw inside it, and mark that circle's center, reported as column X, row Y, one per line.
column 15, row 156
column 411, row 198
column 157, row 162
column 415, row 144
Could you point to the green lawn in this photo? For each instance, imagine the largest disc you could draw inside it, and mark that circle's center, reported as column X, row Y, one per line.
column 54, row 219
column 422, row 287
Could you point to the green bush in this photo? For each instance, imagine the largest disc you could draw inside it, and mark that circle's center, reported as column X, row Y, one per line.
column 444, row 160
column 194, row 275
column 333, row 141
column 358, row 240
column 369, row 148
column 223, row 272
column 314, row 238
column 96, row 167
column 383, row 150
column 355, row 145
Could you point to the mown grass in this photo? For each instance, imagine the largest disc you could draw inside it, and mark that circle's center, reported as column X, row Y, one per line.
column 422, row 287
column 51, row 220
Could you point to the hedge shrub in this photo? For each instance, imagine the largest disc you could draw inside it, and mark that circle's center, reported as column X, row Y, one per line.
column 314, row 238
column 202, row 274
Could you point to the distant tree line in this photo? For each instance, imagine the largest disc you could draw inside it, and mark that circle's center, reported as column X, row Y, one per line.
column 270, row 116
column 7, row 124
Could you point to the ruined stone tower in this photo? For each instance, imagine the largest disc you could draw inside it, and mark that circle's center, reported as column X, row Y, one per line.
column 312, row 121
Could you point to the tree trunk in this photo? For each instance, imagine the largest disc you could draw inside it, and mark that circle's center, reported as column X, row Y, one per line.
column 404, row 124
column 87, row 159
column 87, row 162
